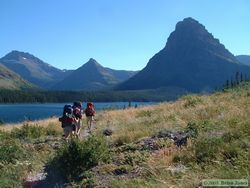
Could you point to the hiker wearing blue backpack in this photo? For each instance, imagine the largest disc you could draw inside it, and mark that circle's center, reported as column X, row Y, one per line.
column 71, row 119
column 67, row 121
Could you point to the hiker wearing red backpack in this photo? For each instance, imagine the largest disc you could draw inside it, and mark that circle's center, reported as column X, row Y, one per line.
column 90, row 113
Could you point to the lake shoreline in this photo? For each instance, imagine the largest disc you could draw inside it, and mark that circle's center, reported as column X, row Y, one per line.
column 12, row 114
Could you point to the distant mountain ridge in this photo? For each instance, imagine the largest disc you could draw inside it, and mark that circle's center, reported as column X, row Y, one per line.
column 11, row 80
column 191, row 59
column 244, row 59
column 33, row 69
column 93, row 76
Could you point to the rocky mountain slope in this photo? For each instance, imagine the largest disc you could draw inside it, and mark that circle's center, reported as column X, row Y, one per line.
column 33, row 69
column 93, row 76
column 11, row 80
column 192, row 59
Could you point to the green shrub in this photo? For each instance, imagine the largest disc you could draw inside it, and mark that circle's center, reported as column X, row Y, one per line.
column 207, row 149
column 28, row 132
column 230, row 152
column 88, row 179
column 51, row 130
column 4, row 135
column 134, row 158
column 144, row 113
column 78, row 156
column 186, row 157
column 11, row 150
column 192, row 129
column 191, row 100
column 128, row 147
column 121, row 140
column 197, row 127
column 230, row 136
column 10, row 176
column 34, row 131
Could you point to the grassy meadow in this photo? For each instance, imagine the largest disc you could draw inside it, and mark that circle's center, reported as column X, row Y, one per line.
column 135, row 155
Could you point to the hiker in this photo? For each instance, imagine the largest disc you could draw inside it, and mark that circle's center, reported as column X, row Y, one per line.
column 90, row 113
column 67, row 121
column 71, row 119
column 77, row 112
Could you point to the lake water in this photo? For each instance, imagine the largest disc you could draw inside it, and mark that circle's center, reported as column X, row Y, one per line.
column 13, row 113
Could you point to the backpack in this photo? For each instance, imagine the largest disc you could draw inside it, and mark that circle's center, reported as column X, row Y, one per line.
column 67, row 110
column 77, row 110
column 77, row 104
column 67, row 119
column 90, row 111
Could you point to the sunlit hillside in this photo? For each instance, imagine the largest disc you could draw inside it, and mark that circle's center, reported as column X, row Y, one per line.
column 139, row 153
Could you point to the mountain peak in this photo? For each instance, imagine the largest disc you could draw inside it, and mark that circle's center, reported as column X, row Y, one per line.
column 192, row 59
column 92, row 62
column 32, row 68
column 190, row 36
column 92, row 76
column 189, row 20
column 14, row 54
column 190, row 23
column 190, row 26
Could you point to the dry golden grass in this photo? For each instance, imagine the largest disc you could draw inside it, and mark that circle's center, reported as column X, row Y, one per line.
column 134, row 123
column 223, row 113
column 220, row 110
column 44, row 123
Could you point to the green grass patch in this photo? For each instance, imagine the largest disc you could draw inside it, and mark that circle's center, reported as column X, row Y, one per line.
column 29, row 132
column 191, row 100
column 78, row 156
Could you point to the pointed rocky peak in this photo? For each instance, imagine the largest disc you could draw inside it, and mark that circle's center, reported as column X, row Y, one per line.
column 92, row 61
column 92, row 64
column 190, row 30
column 192, row 59
column 190, row 24
column 190, row 37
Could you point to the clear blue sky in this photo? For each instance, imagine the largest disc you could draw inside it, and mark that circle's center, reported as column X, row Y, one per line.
column 120, row 34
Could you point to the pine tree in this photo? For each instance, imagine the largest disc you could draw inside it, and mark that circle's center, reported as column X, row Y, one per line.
column 227, row 84
column 237, row 78
column 232, row 83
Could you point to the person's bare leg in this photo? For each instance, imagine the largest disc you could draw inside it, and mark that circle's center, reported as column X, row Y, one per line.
column 89, row 124
column 78, row 132
column 66, row 136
